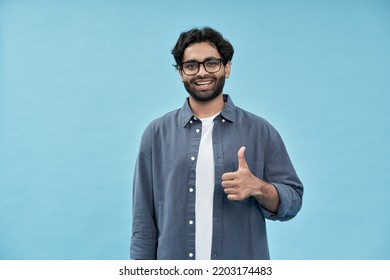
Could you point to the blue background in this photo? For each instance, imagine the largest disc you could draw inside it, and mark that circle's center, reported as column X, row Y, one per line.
column 80, row 80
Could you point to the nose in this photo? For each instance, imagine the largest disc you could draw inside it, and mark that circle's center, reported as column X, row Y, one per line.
column 202, row 70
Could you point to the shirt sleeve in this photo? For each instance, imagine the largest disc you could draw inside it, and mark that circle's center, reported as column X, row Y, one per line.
column 144, row 233
column 280, row 172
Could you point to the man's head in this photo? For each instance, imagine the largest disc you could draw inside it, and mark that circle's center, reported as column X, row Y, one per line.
column 203, row 59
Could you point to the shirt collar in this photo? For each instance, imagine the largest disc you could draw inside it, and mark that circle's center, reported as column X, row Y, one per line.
column 228, row 112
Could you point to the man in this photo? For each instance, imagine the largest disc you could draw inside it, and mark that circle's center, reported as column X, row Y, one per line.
column 208, row 174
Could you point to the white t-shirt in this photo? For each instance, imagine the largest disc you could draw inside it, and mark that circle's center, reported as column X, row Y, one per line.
column 204, row 186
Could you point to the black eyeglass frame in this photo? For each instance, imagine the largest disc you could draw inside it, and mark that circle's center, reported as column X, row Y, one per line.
column 221, row 61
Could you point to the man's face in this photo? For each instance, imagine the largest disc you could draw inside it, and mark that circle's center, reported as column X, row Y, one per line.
column 204, row 86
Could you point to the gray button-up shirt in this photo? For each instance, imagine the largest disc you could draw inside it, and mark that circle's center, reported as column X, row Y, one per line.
column 164, row 186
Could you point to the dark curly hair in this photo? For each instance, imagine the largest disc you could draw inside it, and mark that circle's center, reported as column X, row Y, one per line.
column 205, row 34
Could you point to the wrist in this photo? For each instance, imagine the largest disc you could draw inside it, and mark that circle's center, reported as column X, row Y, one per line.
column 258, row 188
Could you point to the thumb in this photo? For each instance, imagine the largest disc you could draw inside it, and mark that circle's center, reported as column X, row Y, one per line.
column 241, row 158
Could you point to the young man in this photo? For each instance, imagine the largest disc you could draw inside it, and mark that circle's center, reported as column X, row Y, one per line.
column 208, row 174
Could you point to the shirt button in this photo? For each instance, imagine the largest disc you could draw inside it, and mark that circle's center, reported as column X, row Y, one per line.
column 192, row 158
column 191, row 222
column 191, row 189
column 190, row 255
column 223, row 120
column 195, row 118
column 191, row 121
column 197, row 130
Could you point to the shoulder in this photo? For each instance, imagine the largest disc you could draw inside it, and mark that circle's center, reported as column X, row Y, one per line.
column 252, row 120
column 155, row 130
column 165, row 120
column 161, row 126
column 261, row 129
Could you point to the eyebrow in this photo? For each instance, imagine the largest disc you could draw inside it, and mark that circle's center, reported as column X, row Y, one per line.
column 194, row 60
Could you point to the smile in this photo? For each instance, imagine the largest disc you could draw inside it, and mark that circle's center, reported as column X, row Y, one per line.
column 200, row 83
column 204, row 84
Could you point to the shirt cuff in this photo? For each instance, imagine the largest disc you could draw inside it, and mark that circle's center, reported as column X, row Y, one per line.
column 285, row 204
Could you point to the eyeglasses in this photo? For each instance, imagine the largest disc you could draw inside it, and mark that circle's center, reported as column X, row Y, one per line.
column 211, row 65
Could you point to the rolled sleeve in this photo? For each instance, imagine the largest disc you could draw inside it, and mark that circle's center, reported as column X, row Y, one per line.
column 290, row 203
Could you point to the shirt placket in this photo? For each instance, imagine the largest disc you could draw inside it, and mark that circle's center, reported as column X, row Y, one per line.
column 218, row 192
column 195, row 128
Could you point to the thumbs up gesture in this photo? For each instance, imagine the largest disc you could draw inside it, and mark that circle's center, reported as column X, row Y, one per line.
column 242, row 183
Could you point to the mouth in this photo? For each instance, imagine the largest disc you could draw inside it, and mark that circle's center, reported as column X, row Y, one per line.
column 204, row 84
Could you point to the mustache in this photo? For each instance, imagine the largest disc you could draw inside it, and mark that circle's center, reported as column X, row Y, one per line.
column 207, row 76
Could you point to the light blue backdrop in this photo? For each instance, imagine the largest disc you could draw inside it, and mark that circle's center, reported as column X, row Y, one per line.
column 80, row 80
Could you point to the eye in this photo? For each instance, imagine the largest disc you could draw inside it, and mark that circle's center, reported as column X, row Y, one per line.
column 190, row 65
column 212, row 62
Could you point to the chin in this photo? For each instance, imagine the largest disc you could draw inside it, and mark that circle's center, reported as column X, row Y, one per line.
column 205, row 98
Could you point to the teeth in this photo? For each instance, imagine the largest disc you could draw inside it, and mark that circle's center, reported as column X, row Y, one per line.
column 204, row 83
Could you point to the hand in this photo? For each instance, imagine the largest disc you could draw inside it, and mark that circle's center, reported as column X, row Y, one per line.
column 242, row 183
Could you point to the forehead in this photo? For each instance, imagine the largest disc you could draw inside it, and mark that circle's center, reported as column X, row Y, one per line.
column 200, row 51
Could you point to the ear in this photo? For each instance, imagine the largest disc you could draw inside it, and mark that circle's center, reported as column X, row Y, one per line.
column 227, row 69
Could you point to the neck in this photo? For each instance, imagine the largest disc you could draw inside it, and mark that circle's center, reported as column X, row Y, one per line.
column 207, row 109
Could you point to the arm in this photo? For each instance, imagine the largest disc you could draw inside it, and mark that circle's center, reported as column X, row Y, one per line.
column 144, row 232
column 281, row 197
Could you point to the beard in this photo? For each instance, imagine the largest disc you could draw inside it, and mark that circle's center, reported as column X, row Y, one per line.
column 205, row 95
